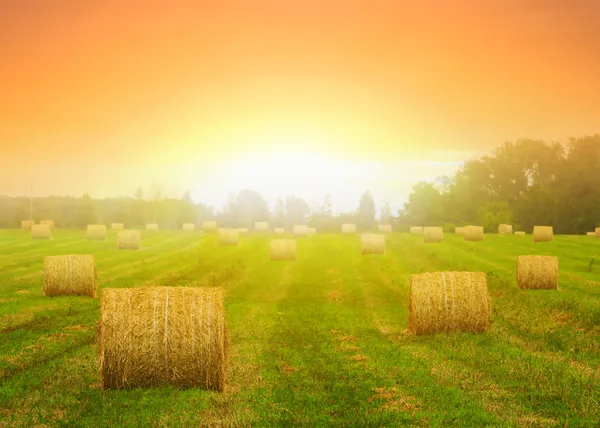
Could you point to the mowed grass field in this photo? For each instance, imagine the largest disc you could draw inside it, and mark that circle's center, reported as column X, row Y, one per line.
column 321, row 341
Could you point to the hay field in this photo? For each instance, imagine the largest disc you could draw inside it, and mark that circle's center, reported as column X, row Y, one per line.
column 321, row 341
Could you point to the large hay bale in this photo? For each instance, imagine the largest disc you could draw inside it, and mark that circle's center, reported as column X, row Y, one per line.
column 70, row 275
column 152, row 226
column 312, row 230
column 229, row 236
column 261, row 226
column 129, row 240
column 40, row 231
column 279, row 230
column 473, row 233
column 386, row 228
column 96, row 232
column 26, row 224
column 371, row 243
column 349, row 228
column 300, row 230
column 597, row 232
column 433, row 234
column 117, row 226
column 537, row 272
column 542, row 233
column 448, row 301
column 209, row 225
column 283, row 249
column 460, row 230
column 188, row 227
column 50, row 223
column 416, row 229
column 519, row 233
column 163, row 335
column 505, row 229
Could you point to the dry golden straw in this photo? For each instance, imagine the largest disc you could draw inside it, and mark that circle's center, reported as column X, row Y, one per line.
column 48, row 222
column 542, row 233
column 209, row 225
column 416, row 229
column 188, row 227
column 371, row 243
column 349, row 228
column 283, row 249
column 300, row 230
column 229, row 236
column 96, row 232
column 591, row 233
column 505, row 229
column 129, row 240
column 279, row 230
column 598, row 232
column 473, row 233
column 386, row 228
column 152, row 226
column 163, row 335
column 448, row 301
column 433, row 234
column 261, row 226
column 519, row 233
column 70, row 275
column 40, row 231
column 537, row 272
column 26, row 224
column 117, row 226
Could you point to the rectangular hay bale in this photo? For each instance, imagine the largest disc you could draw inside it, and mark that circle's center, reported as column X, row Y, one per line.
column 26, row 224
column 283, row 249
column 70, row 275
column 505, row 229
column 117, row 226
column 372, row 243
column 537, row 272
column 188, row 227
column 300, row 230
column 348, row 228
column 542, row 233
column 261, row 226
column 152, row 226
column 40, row 231
column 473, row 233
column 129, row 240
column 279, row 230
column 433, row 234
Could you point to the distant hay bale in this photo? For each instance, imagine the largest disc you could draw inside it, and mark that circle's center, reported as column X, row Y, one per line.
column 349, row 228
column 26, row 224
column 152, row 226
column 40, row 231
column 537, row 272
column 163, row 335
column 473, row 233
column 597, row 232
column 542, row 233
column 591, row 234
column 229, row 236
column 70, row 275
column 188, row 227
column 261, row 226
column 209, row 225
column 519, row 233
column 50, row 223
column 300, row 230
column 312, row 231
column 448, row 301
column 371, row 243
column 433, row 234
column 283, row 249
column 129, row 240
column 505, row 229
column 243, row 230
column 459, row 230
column 117, row 226
column 279, row 230
column 96, row 232
column 416, row 229
column 386, row 228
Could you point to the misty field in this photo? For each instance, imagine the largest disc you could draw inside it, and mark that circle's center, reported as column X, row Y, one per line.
column 321, row 341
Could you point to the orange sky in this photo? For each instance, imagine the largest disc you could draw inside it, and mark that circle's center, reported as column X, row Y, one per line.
column 127, row 93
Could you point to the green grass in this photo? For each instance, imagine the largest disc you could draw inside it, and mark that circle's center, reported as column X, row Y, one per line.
column 321, row 341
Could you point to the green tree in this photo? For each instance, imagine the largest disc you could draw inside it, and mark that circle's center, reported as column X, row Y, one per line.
column 366, row 212
column 86, row 212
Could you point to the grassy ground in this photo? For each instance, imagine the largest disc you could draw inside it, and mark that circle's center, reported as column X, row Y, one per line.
column 321, row 341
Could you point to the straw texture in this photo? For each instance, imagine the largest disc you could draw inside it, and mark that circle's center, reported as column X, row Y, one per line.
column 70, row 275
column 542, row 233
column 519, row 233
column 283, row 249
column 473, row 233
column 129, row 240
column 505, row 229
column 371, row 243
column 40, row 231
column 537, row 272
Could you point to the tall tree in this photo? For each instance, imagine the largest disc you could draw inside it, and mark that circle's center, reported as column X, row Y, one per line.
column 86, row 212
column 366, row 211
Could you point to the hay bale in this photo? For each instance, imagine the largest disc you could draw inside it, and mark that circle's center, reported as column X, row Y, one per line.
column 591, row 234
column 26, row 224
column 416, row 229
column 209, row 225
column 243, row 230
column 96, row 232
column 163, row 335
column 448, row 301
column 70, row 275
column 229, row 236
column 597, row 232
column 152, row 226
column 505, row 229
column 473, row 233
column 519, row 233
column 537, row 272
column 40, row 231
column 459, row 230
column 117, row 226
column 279, row 230
column 129, row 240
column 542, row 233
column 188, row 227
column 433, row 234
column 349, row 228
column 386, row 228
column 312, row 231
column 261, row 226
column 371, row 243
column 283, row 249
column 300, row 230
column 50, row 223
